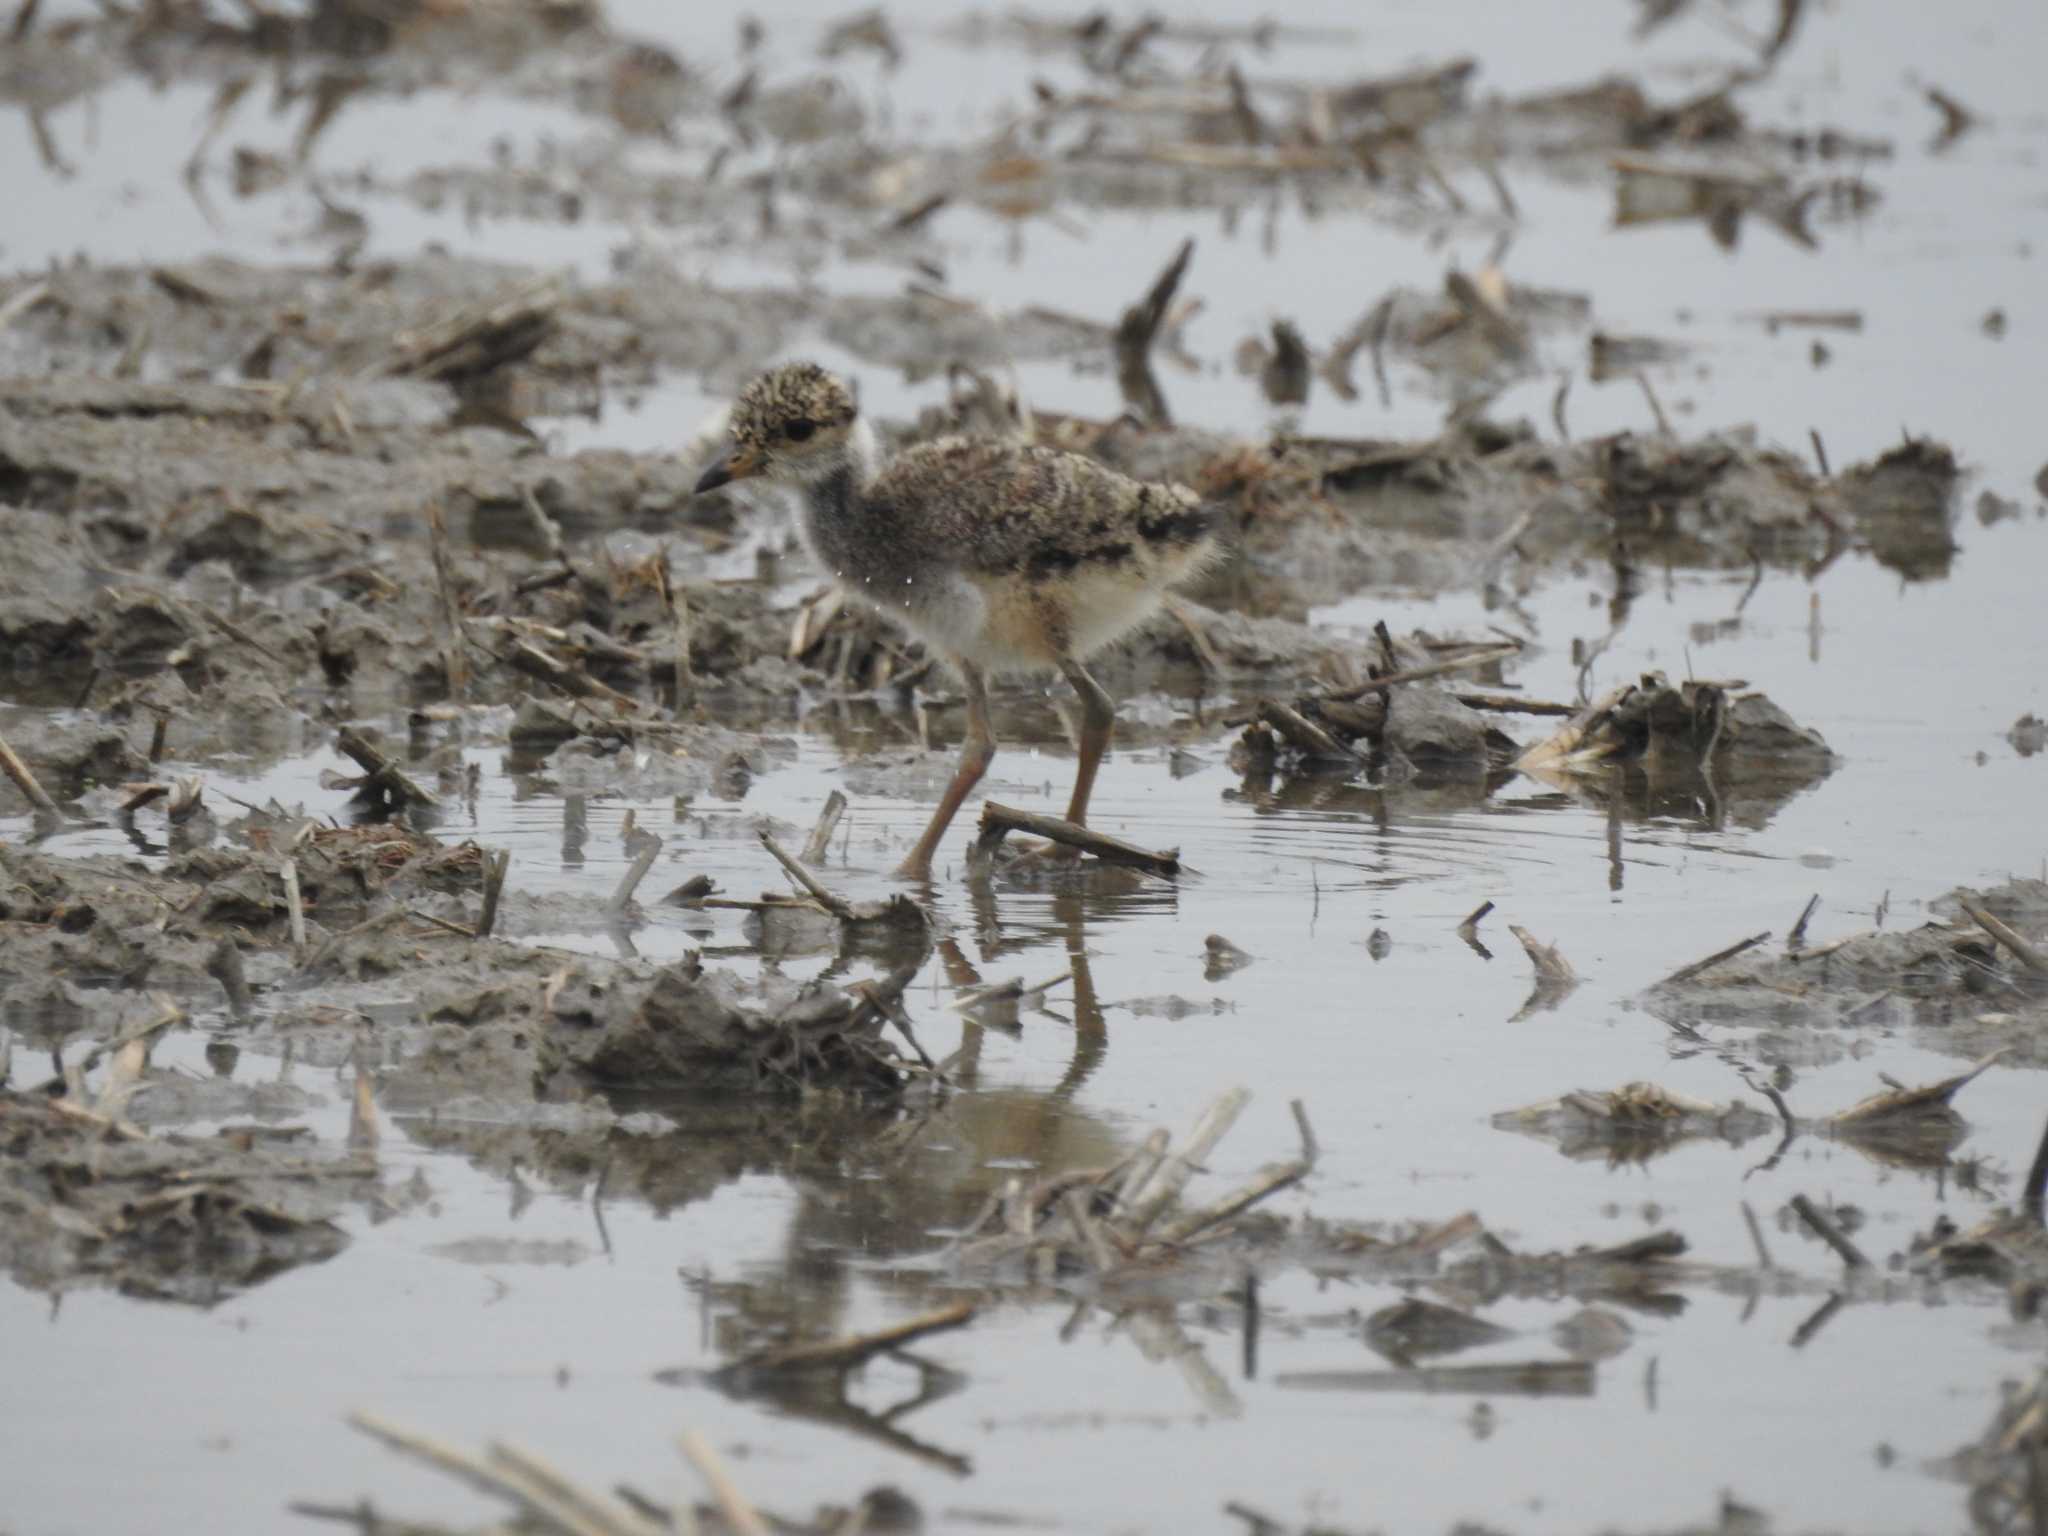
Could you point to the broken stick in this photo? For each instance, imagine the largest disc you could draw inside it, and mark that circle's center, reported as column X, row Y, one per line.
column 622, row 896
column 1304, row 733
column 997, row 821
column 819, row 843
column 496, row 863
column 25, row 781
column 1686, row 973
column 2022, row 951
column 383, row 774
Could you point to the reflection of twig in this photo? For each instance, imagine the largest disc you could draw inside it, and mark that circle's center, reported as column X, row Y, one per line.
column 1825, row 1229
column 1136, row 332
column 845, row 1353
column 1803, row 1334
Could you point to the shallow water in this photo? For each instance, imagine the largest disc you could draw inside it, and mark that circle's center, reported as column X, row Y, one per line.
column 216, row 1419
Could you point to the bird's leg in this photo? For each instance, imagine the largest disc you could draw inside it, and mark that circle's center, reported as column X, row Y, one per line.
column 1098, row 716
column 976, row 753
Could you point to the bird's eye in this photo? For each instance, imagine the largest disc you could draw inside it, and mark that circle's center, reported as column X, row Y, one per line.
column 797, row 431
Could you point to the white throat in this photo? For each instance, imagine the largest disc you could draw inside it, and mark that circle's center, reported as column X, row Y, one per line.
column 863, row 452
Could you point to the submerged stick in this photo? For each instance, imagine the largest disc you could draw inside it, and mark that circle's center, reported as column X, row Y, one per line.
column 999, row 820
column 25, row 781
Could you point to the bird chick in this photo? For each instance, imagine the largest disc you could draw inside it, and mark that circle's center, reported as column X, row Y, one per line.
column 1000, row 556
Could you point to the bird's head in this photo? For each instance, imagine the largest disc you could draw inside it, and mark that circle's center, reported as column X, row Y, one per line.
column 793, row 426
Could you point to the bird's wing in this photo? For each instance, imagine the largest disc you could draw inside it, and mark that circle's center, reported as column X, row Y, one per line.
column 1004, row 508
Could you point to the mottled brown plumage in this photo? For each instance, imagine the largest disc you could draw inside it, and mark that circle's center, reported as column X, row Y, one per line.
column 1001, row 556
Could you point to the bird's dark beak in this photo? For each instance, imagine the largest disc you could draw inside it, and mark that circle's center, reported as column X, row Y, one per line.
column 733, row 463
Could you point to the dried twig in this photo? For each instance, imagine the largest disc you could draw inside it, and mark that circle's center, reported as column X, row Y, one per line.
column 1656, row 406
column 837, row 905
column 622, row 895
column 26, row 782
column 453, row 654
column 535, row 662
column 1469, row 928
column 496, row 863
column 1551, row 965
column 2022, row 950
column 739, row 1514
column 678, row 605
column 1688, row 972
column 383, row 774
column 997, row 821
column 1173, row 1173
column 820, row 841
column 441, row 1457
column 1275, row 1176
column 294, row 903
column 1304, row 733
column 1796, row 939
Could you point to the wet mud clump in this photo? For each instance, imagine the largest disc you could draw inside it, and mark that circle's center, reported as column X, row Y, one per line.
column 1970, row 985
column 87, row 1197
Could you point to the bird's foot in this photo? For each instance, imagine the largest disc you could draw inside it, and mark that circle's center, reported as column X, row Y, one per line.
column 915, row 870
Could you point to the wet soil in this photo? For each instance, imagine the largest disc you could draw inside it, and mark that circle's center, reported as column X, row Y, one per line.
column 1588, row 610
